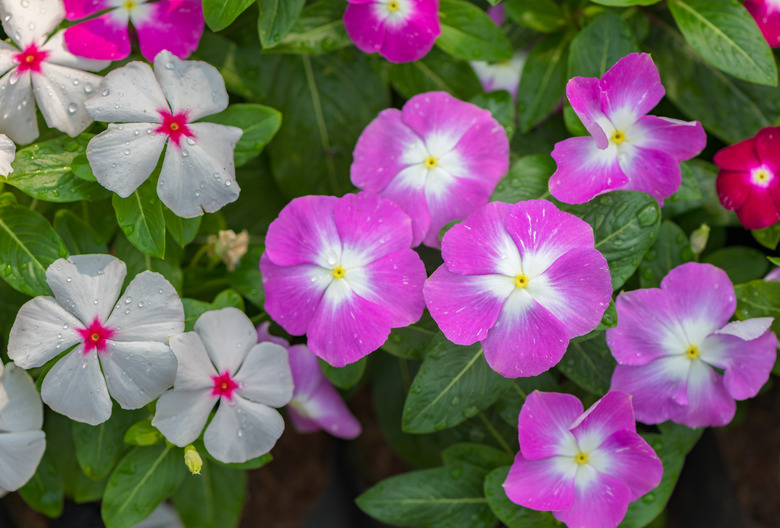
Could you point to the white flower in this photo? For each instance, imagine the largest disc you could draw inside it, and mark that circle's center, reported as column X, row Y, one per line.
column 221, row 361
column 504, row 75
column 126, row 336
column 7, row 155
column 158, row 109
column 21, row 416
column 42, row 71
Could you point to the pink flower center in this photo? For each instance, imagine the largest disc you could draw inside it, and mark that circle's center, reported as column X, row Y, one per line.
column 30, row 59
column 95, row 336
column 175, row 126
column 223, row 386
column 761, row 176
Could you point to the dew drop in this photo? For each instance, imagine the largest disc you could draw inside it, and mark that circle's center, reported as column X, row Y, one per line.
column 128, row 300
column 106, row 92
column 169, row 66
column 73, row 108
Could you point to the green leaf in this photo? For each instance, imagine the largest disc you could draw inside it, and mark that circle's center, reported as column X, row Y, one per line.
column 589, row 364
column 140, row 216
column 193, row 309
column 759, row 298
column 219, row 14
column 625, row 225
column 319, row 29
column 143, row 433
column 81, row 168
column 468, row 33
column 741, row 263
column 79, row 237
column 213, row 498
column 526, row 180
column 345, row 377
column 544, row 16
column 28, row 245
column 137, row 262
column 454, row 383
column 247, row 279
column 604, row 41
column 259, row 124
column 726, row 35
column 44, row 491
column 254, row 463
column 608, row 320
column 768, row 237
column 624, row 3
column 144, row 478
column 276, row 19
column 99, row 447
column 510, row 403
column 437, row 71
column 774, row 260
column 509, row 513
column 705, row 209
column 501, row 106
column 544, row 80
column 183, row 230
column 671, row 249
column 481, row 456
column 409, row 342
column 43, row 171
column 689, row 186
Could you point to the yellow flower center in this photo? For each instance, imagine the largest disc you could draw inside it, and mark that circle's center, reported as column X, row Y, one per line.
column 393, row 6
column 761, row 175
column 618, row 137
column 692, row 352
column 521, row 280
column 95, row 337
column 29, row 58
column 338, row 272
column 431, row 162
column 130, row 4
column 581, row 458
column 174, row 126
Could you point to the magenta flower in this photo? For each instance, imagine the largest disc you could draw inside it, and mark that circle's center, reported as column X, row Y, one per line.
column 438, row 159
column 669, row 341
column 773, row 276
column 315, row 403
column 767, row 15
column 627, row 150
column 175, row 25
column 400, row 30
column 584, row 467
column 523, row 280
column 749, row 178
column 341, row 271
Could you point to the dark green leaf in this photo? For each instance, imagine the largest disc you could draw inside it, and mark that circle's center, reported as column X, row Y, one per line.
column 467, row 32
column 689, row 186
column 137, row 262
column 481, row 456
column 140, row 216
column 409, row 342
column 220, row 14
column 213, row 498
column 259, row 124
column 319, row 29
column 44, row 491
column 707, row 208
column 437, row 71
column 99, row 447
column 589, row 364
column 768, row 237
column 759, row 299
column 604, row 41
column 276, row 19
column 510, row 403
column 526, row 180
column 193, row 309
column 671, row 249
column 741, row 263
column 143, row 433
column 247, row 279
column 501, row 106
column 509, row 513
column 345, row 377
column 183, row 230
column 623, row 3
column 544, row 16
column 79, row 237
column 544, row 80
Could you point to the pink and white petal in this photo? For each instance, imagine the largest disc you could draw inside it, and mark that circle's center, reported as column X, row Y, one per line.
column 658, row 388
column 749, row 329
column 173, row 25
column 746, row 363
column 526, row 339
column 681, row 140
column 195, row 371
column 20, row 404
column 584, row 94
column 379, row 152
column 234, row 436
column 576, row 289
column 75, row 387
column 149, row 310
column 651, row 171
column 60, row 100
column 87, row 285
column 124, row 156
column 180, row 415
column 306, row 372
column 293, row 293
column 228, row 335
column 18, row 120
column 130, row 94
column 369, row 228
column 627, row 457
column 610, row 414
column 101, row 38
column 767, row 142
column 20, row 454
column 305, row 233
column 265, row 375
column 709, row 405
column 194, row 87
column 301, row 423
column 648, row 328
column 31, row 21
column 200, row 175
column 407, row 191
column 544, row 425
column 702, row 297
column 454, row 200
column 466, row 307
column 263, row 334
column 42, row 330
column 414, row 38
column 599, row 501
column 584, row 170
column 741, row 156
column 365, row 29
column 346, row 327
column 78, row 9
column 482, row 153
column 59, row 54
column 481, row 245
column 326, row 408
column 546, row 484
column 630, row 89
column 543, row 233
column 441, row 119
column 7, row 155
column 137, row 372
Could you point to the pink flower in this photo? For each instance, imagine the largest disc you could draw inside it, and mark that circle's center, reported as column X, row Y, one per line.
column 523, row 280
column 503, row 75
column 438, row 159
column 749, row 178
column 341, row 271
column 584, row 467
column 767, row 15
column 175, row 25
column 400, row 30
column 315, row 402
column 627, row 150
column 773, row 275
column 669, row 341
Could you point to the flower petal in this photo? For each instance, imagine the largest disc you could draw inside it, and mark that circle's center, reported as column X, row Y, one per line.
column 265, row 375
column 292, row 293
column 228, row 335
column 766, row 17
column 76, row 388
column 20, row 454
column 264, row 335
column 180, row 415
column 709, row 404
column 544, row 425
column 240, row 436
column 584, row 170
column 767, row 141
column 741, row 156
column 761, row 209
column 584, row 94
column 173, row 25
column 610, row 414
column 200, row 176
column 414, row 38
column 7, row 155
column 29, row 22
column 195, row 370
column 365, row 29
column 304, row 233
column 630, row 89
column 18, row 119
column 60, row 55
column 78, row 9
column 130, row 94
column 60, row 100
column 149, row 310
column 441, row 119
column 599, row 501
column 20, row 404
column 194, row 87
column 681, row 140
column 326, row 409
column 137, row 372
column 627, row 457
column 651, row 171
column 102, row 38
column 546, row 484
column 407, row 191
column 42, row 330
column 658, row 388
